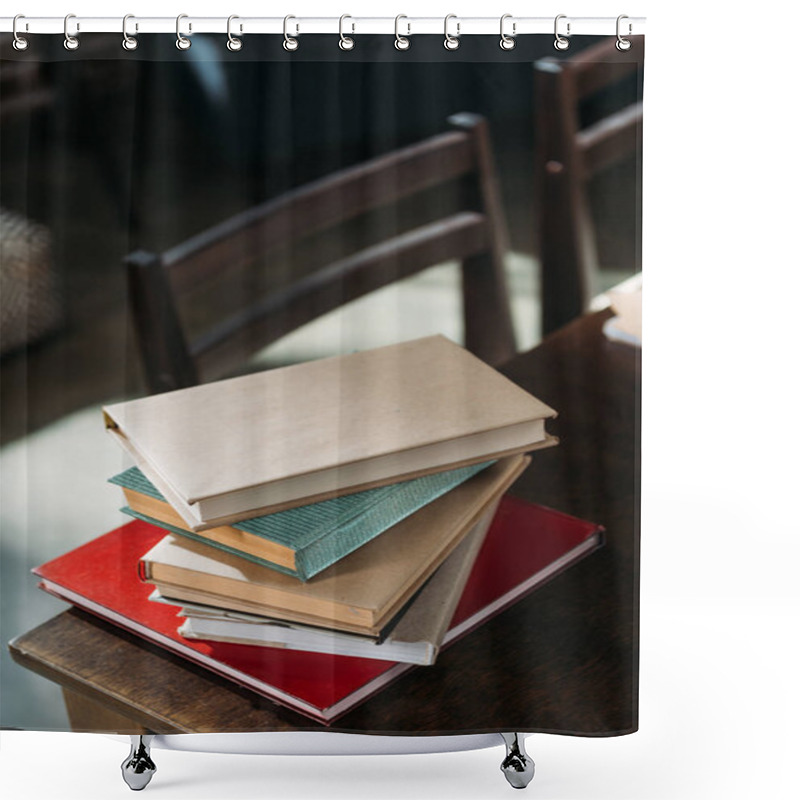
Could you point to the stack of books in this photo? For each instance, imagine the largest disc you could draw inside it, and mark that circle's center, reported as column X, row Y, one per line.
column 314, row 531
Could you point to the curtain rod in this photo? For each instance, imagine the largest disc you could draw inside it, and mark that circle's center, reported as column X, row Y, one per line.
column 463, row 26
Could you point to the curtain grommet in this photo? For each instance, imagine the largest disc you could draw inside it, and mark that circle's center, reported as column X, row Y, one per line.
column 129, row 43
column 20, row 43
column 346, row 42
column 507, row 42
column 234, row 44
column 290, row 43
column 561, row 43
column 401, row 42
column 71, row 43
column 451, row 42
column 181, row 42
column 623, row 45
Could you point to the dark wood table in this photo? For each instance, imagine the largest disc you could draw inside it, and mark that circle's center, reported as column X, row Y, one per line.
column 568, row 653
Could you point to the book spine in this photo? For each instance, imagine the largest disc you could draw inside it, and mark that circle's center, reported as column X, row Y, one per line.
column 167, row 528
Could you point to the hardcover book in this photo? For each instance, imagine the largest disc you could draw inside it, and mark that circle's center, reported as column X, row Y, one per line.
column 360, row 593
column 226, row 451
column 300, row 541
column 100, row 577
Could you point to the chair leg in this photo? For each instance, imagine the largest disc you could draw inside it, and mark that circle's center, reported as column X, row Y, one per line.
column 517, row 766
column 138, row 768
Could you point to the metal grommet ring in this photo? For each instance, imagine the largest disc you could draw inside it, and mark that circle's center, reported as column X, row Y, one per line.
column 623, row 44
column 71, row 42
column 451, row 42
column 560, row 42
column 233, row 44
column 182, row 43
column 346, row 42
column 401, row 42
column 20, row 42
column 507, row 42
column 289, row 43
column 129, row 42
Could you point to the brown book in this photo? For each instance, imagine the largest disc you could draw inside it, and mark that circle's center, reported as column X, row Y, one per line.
column 414, row 639
column 248, row 446
column 360, row 593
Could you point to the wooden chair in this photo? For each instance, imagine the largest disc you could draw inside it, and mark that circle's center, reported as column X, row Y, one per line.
column 568, row 156
column 473, row 232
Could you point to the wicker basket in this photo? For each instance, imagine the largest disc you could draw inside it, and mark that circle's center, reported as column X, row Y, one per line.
column 30, row 306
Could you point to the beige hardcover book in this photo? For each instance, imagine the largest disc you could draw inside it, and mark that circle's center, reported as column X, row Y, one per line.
column 360, row 593
column 415, row 639
column 244, row 447
column 428, row 618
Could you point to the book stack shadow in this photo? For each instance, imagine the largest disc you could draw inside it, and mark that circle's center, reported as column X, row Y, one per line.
column 315, row 531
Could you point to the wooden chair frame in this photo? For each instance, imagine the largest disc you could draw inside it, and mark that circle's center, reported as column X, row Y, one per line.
column 567, row 157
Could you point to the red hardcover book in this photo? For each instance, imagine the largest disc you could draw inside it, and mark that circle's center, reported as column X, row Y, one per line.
column 101, row 577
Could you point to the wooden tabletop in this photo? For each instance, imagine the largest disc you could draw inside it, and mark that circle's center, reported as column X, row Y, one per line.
column 567, row 654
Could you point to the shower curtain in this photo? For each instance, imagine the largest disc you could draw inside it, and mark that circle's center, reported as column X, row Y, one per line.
column 108, row 152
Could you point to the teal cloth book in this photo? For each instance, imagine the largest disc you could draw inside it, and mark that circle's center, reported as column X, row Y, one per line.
column 305, row 540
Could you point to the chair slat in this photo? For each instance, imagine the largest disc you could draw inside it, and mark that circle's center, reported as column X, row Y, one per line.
column 610, row 139
column 319, row 205
column 456, row 237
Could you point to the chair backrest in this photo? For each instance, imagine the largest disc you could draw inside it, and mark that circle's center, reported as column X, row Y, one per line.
column 472, row 231
column 568, row 155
